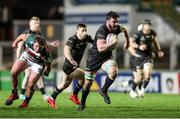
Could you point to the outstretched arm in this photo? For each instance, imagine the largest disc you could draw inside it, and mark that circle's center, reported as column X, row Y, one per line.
column 54, row 44
column 67, row 54
column 159, row 51
column 18, row 39
column 127, row 44
column 19, row 49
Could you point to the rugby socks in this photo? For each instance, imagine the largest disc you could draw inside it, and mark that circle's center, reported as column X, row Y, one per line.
column 77, row 89
column 56, row 93
column 107, row 84
column 27, row 99
column 84, row 96
column 23, row 91
column 130, row 81
column 134, row 85
column 140, row 85
column 14, row 91
column 43, row 92
column 146, row 81
column 31, row 94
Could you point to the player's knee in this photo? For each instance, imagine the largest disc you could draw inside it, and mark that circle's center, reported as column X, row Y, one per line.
column 14, row 73
column 137, row 78
column 66, row 85
column 138, row 75
column 113, row 73
column 81, row 82
column 148, row 67
column 87, row 84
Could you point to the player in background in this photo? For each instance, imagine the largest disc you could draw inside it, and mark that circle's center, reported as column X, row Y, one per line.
column 143, row 42
column 73, row 52
column 100, row 56
column 133, row 54
column 34, row 28
column 36, row 57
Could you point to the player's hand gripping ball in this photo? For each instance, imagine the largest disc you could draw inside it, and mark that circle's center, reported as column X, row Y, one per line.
column 112, row 38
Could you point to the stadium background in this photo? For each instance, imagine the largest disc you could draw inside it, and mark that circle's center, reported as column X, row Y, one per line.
column 58, row 22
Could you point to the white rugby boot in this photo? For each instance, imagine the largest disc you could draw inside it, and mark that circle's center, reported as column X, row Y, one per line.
column 133, row 94
column 125, row 84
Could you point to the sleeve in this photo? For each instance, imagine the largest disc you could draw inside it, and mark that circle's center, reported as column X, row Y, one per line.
column 101, row 34
column 70, row 42
column 154, row 33
column 135, row 35
column 89, row 39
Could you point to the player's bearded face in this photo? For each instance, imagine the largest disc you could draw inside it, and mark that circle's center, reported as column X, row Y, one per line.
column 82, row 32
column 113, row 23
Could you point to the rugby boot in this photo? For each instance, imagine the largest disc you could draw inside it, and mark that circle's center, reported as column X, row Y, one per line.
column 133, row 94
column 124, row 84
column 74, row 99
column 105, row 96
column 23, row 105
column 51, row 102
column 81, row 107
column 11, row 98
column 141, row 92
column 22, row 97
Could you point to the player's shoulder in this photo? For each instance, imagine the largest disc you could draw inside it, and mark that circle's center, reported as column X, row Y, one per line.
column 88, row 36
column 103, row 28
column 137, row 34
column 27, row 31
column 73, row 37
column 153, row 32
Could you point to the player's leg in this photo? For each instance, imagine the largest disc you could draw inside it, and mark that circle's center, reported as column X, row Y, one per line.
column 16, row 69
column 89, row 78
column 147, row 70
column 138, row 76
column 24, row 83
column 33, row 78
column 133, row 67
column 40, row 85
column 111, row 68
column 79, row 75
column 35, row 74
column 60, row 87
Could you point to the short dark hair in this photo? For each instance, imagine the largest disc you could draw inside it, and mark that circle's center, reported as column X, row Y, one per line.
column 35, row 18
column 81, row 25
column 147, row 21
column 112, row 14
column 40, row 40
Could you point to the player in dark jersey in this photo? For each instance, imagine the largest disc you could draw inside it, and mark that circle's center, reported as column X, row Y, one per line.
column 100, row 56
column 38, row 58
column 73, row 52
column 143, row 42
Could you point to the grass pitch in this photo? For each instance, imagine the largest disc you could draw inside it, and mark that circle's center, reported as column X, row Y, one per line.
column 152, row 106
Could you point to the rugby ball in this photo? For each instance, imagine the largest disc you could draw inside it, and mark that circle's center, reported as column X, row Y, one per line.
column 109, row 38
column 139, row 27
